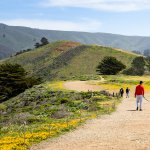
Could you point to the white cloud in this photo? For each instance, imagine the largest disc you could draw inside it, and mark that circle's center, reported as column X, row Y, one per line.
column 82, row 25
column 105, row 5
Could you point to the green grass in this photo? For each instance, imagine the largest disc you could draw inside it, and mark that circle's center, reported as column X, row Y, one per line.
column 38, row 61
column 86, row 63
column 64, row 60
column 116, row 82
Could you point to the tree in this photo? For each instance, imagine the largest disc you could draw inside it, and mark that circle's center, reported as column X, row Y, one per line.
column 37, row 45
column 110, row 66
column 148, row 62
column 44, row 41
column 14, row 80
column 137, row 67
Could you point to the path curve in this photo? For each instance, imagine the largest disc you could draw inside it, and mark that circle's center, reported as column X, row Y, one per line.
column 124, row 129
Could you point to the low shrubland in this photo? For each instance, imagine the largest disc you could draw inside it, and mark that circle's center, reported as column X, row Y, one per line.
column 43, row 112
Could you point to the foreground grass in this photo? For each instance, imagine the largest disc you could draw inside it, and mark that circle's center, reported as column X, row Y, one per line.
column 46, row 111
column 22, row 137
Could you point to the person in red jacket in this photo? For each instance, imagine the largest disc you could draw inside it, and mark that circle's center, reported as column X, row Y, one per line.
column 139, row 94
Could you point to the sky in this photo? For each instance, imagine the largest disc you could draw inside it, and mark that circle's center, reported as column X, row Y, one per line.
column 126, row 17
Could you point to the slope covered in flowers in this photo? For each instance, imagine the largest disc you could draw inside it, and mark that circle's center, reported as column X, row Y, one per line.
column 46, row 111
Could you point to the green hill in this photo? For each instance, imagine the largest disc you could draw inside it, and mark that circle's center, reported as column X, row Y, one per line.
column 65, row 59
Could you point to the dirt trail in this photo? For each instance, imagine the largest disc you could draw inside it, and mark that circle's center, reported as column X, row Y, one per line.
column 125, row 129
column 81, row 86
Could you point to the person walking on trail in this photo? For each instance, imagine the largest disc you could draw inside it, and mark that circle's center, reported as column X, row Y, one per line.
column 139, row 94
column 127, row 92
column 121, row 92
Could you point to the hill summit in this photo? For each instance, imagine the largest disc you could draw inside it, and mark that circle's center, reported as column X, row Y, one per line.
column 67, row 60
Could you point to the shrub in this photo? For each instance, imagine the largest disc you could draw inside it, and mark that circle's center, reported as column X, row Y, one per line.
column 21, row 118
column 61, row 113
column 137, row 67
column 2, row 107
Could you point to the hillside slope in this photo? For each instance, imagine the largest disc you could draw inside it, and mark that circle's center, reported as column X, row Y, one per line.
column 65, row 59
column 19, row 38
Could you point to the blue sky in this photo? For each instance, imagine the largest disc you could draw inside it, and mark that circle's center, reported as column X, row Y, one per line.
column 110, row 16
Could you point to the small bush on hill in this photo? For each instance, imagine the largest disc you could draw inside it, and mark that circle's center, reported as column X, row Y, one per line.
column 22, row 51
column 44, row 41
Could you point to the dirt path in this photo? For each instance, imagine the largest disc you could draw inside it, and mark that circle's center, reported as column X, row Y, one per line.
column 125, row 129
column 81, row 86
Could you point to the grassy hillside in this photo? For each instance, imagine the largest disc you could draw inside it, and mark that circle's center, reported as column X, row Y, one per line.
column 87, row 61
column 43, row 112
column 19, row 38
column 65, row 60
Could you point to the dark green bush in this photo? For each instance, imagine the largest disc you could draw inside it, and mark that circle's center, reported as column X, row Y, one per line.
column 14, row 80
column 110, row 66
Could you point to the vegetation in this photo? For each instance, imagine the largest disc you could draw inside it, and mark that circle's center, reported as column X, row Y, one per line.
column 113, row 83
column 22, row 51
column 44, row 41
column 38, row 62
column 110, row 66
column 148, row 63
column 24, row 38
column 48, row 110
column 65, row 60
column 14, row 80
column 43, row 112
column 137, row 68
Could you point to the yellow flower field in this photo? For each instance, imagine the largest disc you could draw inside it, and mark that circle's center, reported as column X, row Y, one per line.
column 22, row 141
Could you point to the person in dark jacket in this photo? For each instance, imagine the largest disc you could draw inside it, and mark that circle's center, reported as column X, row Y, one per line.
column 121, row 92
column 127, row 92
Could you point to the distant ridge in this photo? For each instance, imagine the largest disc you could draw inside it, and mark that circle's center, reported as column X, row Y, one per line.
column 18, row 38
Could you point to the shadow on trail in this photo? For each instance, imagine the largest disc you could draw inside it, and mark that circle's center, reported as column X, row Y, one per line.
column 131, row 110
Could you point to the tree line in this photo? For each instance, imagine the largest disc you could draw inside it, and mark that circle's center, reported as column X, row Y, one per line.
column 43, row 41
column 112, row 66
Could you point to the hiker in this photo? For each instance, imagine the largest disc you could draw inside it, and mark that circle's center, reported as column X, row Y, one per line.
column 121, row 92
column 127, row 92
column 139, row 94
